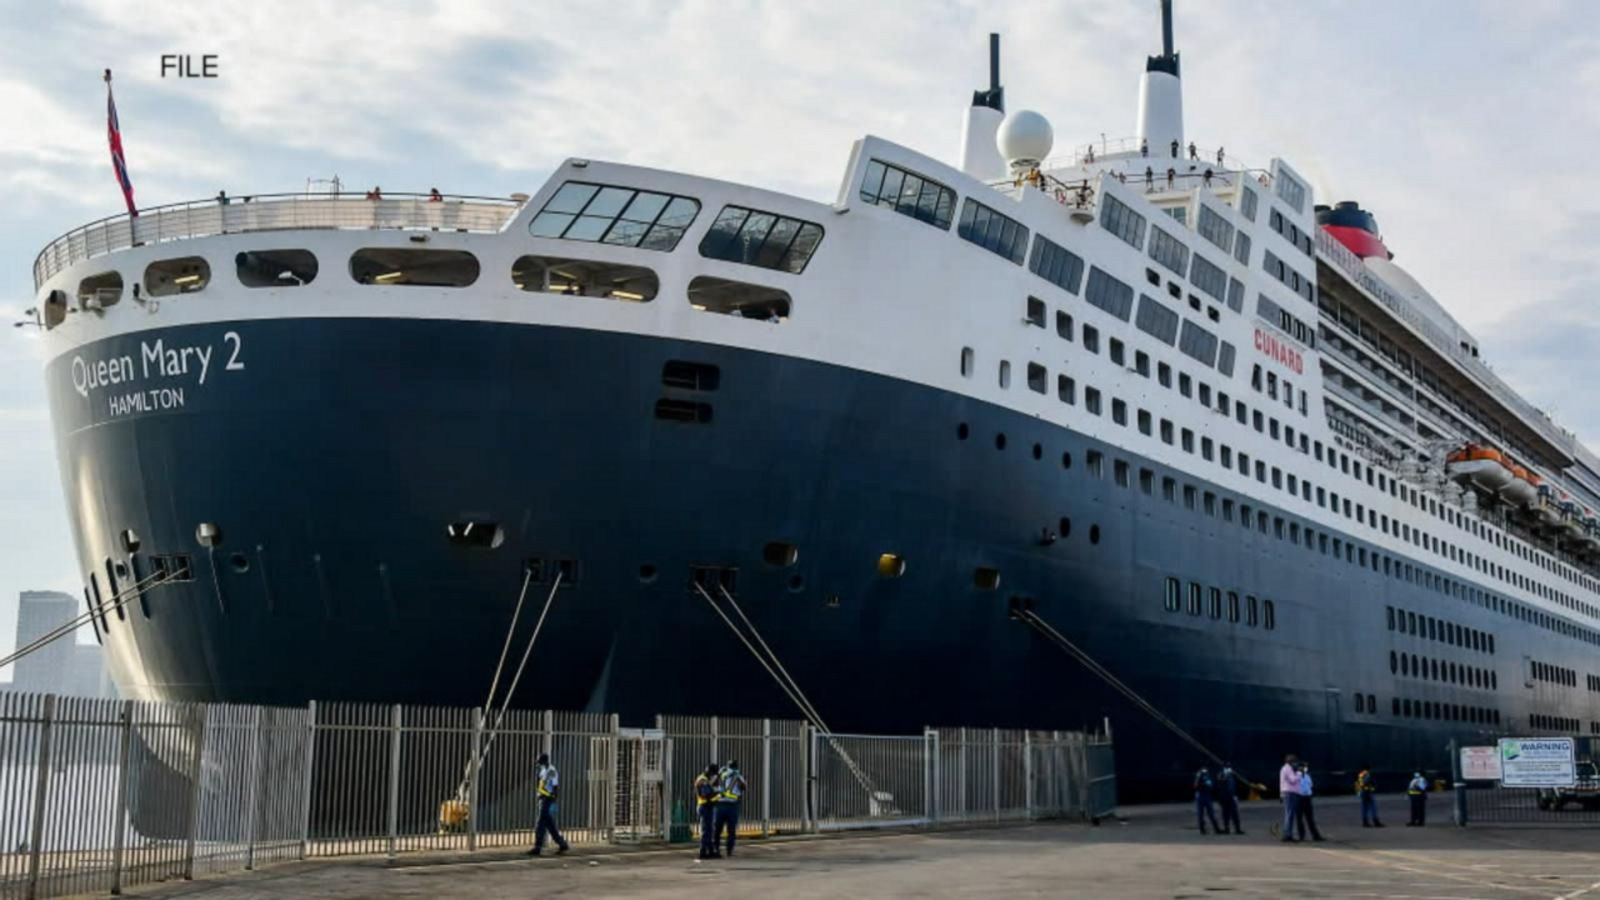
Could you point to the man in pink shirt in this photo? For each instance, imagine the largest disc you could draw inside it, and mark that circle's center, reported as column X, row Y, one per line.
column 1289, row 790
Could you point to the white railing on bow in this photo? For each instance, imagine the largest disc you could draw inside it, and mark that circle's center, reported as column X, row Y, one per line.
column 272, row 212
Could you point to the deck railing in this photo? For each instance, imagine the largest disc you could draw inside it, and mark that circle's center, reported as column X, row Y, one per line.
column 1341, row 257
column 272, row 212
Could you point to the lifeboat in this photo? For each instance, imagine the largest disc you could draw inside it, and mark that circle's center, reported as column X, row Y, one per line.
column 1483, row 467
column 1547, row 507
column 1591, row 531
column 1524, row 487
column 1572, row 519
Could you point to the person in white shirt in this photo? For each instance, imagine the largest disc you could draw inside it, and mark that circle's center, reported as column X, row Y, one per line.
column 1305, row 817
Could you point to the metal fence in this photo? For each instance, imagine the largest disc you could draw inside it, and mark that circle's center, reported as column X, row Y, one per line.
column 1487, row 803
column 100, row 795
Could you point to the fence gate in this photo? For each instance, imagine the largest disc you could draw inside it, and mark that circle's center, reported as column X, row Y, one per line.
column 640, row 809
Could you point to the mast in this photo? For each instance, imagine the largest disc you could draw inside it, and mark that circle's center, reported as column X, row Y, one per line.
column 1161, row 96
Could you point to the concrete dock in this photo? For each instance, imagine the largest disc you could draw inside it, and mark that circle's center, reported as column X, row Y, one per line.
column 1151, row 852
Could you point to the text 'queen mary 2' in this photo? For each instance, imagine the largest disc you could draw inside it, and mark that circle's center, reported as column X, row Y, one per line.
column 1207, row 430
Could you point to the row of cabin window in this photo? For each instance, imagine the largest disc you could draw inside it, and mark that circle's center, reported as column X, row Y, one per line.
column 1429, row 628
column 1543, row 671
column 1593, row 681
column 1444, row 671
column 1448, row 712
column 1290, row 232
column 1289, row 275
column 1204, row 600
column 1308, row 537
column 1542, row 722
column 1366, row 703
column 1367, row 333
column 1265, row 381
column 1288, row 323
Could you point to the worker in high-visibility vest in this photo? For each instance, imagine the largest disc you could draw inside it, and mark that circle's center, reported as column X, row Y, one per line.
column 549, row 793
column 707, row 788
column 728, row 797
column 1367, row 789
column 1417, row 793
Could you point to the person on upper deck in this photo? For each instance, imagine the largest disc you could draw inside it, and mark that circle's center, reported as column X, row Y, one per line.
column 434, row 196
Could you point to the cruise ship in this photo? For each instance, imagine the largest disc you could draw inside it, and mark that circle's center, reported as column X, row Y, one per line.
column 323, row 446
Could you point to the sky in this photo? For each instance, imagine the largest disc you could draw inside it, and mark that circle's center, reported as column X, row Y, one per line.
column 1468, row 129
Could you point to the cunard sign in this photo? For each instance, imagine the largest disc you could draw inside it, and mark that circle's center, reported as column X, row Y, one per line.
column 1280, row 350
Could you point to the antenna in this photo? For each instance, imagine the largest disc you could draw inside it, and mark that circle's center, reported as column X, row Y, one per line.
column 1166, row 28
column 994, row 60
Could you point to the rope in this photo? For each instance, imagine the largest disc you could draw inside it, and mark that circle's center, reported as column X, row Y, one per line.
column 787, row 683
column 153, row 580
column 493, row 731
column 814, row 715
column 527, row 579
column 1031, row 618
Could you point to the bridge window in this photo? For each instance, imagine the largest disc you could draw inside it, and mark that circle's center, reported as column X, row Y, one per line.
column 176, row 276
column 998, row 233
column 390, row 266
column 763, row 239
column 275, row 268
column 615, row 215
column 738, row 298
column 908, row 194
column 1057, row 265
column 100, row 291
column 585, row 278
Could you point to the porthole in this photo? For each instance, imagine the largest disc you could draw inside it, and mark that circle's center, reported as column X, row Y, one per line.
column 1065, row 527
column 647, row 574
column 1066, row 460
column 961, row 432
column 891, row 565
column 1000, row 441
column 985, row 578
column 797, row 583
column 1038, row 452
column 239, row 562
column 1094, row 534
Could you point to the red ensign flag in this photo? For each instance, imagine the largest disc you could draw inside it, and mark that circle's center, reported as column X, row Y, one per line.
column 118, row 162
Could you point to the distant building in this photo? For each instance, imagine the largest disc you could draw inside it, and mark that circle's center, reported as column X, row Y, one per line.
column 62, row 666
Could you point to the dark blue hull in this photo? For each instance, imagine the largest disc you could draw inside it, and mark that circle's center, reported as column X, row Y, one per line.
column 334, row 460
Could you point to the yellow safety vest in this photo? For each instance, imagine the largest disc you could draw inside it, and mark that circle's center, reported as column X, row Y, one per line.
column 1364, row 783
column 544, row 791
column 702, row 797
column 732, row 788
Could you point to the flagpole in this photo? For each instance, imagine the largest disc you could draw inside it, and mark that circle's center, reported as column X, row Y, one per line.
column 119, row 164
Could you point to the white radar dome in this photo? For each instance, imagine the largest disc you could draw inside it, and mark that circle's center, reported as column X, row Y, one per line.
column 1024, row 138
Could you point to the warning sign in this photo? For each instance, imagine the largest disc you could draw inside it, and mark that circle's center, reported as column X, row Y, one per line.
column 1480, row 763
column 1537, row 762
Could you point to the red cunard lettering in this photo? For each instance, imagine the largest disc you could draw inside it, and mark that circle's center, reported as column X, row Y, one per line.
column 1280, row 352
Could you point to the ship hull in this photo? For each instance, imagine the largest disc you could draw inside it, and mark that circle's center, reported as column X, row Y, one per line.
column 336, row 455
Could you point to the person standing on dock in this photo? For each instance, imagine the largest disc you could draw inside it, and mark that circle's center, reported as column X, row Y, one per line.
column 1203, row 788
column 1367, row 789
column 1306, row 816
column 732, row 791
column 1417, row 793
column 1289, row 790
column 549, row 781
column 706, row 789
column 1228, row 798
